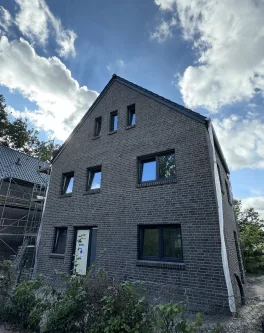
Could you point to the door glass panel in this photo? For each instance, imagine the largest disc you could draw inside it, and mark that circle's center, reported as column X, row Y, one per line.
column 81, row 251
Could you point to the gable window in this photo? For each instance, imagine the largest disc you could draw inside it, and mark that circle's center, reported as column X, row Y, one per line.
column 60, row 240
column 160, row 242
column 97, row 126
column 158, row 167
column 113, row 121
column 94, row 178
column 220, row 178
column 228, row 192
column 68, row 179
column 131, row 115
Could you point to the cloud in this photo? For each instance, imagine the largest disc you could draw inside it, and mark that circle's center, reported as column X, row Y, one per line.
column 228, row 38
column 5, row 18
column 242, row 141
column 116, row 67
column 36, row 22
column 255, row 202
column 60, row 100
column 163, row 31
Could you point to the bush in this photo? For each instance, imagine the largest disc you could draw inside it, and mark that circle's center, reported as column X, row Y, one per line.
column 21, row 303
column 7, row 277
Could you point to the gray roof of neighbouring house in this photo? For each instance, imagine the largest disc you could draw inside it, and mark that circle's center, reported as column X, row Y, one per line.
column 21, row 166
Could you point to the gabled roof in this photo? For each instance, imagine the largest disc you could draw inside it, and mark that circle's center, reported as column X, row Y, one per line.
column 21, row 166
column 187, row 112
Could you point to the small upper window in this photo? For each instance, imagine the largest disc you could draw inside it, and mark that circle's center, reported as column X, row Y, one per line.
column 97, row 126
column 228, row 192
column 94, row 178
column 220, row 178
column 160, row 242
column 113, row 121
column 68, row 179
column 159, row 167
column 131, row 116
column 60, row 240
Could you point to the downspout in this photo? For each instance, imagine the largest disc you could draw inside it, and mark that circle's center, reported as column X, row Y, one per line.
column 231, row 298
column 40, row 228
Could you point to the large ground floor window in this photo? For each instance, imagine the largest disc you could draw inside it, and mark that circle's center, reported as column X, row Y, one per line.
column 160, row 242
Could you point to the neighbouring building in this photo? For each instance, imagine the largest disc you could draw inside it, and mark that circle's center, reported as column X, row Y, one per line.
column 22, row 190
column 142, row 188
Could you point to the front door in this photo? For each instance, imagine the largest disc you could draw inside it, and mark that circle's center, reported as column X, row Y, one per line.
column 81, row 251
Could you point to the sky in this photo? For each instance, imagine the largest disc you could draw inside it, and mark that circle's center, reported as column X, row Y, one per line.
column 57, row 56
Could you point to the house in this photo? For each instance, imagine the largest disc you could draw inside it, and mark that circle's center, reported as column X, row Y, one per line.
column 142, row 188
column 20, row 209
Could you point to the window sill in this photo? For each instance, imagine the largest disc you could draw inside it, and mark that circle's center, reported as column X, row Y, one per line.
column 161, row 264
column 66, row 195
column 130, row 126
column 94, row 191
column 57, row 255
column 112, row 132
column 157, row 182
column 96, row 137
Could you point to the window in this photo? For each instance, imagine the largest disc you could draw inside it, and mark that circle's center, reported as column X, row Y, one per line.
column 160, row 242
column 228, row 192
column 131, row 115
column 68, row 179
column 159, row 167
column 97, row 126
column 60, row 240
column 113, row 121
column 220, row 178
column 94, row 178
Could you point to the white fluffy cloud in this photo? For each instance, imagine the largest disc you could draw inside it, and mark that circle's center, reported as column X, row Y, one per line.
column 5, row 19
column 228, row 37
column 36, row 22
column 242, row 141
column 47, row 82
column 255, row 202
column 163, row 30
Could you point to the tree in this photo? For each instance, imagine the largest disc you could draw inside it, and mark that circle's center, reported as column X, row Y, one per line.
column 251, row 228
column 17, row 135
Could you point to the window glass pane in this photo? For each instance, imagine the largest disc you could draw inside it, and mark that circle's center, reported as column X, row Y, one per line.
column 115, row 123
column 96, row 179
column 167, row 167
column 148, row 170
column 60, row 240
column 133, row 118
column 98, row 122
column 172, row 247
column 151, row 242
column 69, row 184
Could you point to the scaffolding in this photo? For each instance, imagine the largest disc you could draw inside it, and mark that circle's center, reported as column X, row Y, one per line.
column 18, row 234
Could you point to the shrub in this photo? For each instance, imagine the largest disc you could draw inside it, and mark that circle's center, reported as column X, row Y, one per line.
column 22, row 301
column 6, row 282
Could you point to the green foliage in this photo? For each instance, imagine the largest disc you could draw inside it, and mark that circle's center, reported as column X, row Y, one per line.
column 123, row 311
column 22, row 302
column 7, row 278
column 252, row 237
column 17, row 135
column 171, row 318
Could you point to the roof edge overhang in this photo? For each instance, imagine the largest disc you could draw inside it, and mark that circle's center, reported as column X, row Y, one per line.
column 187, row 112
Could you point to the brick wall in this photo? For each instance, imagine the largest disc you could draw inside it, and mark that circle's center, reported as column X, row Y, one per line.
column 121, row 205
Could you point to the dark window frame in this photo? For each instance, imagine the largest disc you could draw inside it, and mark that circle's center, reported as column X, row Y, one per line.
column 58, row 231
column 151, row 158
column 65, row 176
column 131, row 109
column 220, row 178
column 160, row 227
column 97, row 121
column 113, row 114
column 91, row 171
column 228, row 192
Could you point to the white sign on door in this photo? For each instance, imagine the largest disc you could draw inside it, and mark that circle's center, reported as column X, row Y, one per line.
column 81, row 251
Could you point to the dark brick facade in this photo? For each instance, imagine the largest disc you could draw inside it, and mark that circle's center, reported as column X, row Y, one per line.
column 122, row 204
